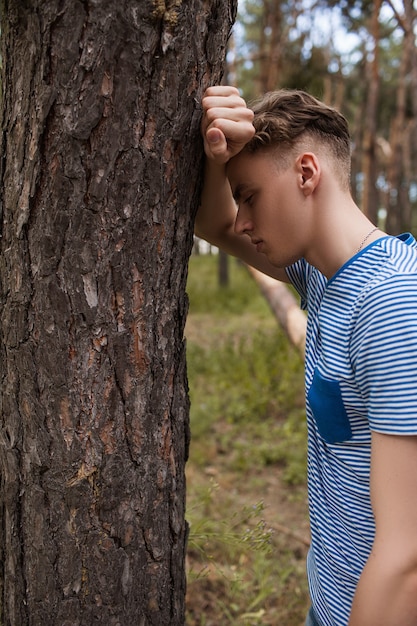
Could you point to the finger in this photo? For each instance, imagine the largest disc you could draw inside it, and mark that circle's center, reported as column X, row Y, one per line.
column 221, row 90
column 230, row 106
column 236, row 131
column 216, row 142
column 215, row 115
column 233, row 101
column 228, row 119
column 214, row 135
column 226, row 138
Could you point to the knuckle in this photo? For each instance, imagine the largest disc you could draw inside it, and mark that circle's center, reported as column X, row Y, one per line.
column 210, row 115
column 210, row 91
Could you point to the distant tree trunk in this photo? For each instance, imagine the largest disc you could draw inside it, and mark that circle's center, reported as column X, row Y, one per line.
column 271, row 45
column 100, row 177
column 397, row 201
column 285, row 308
column 412, row 145
column 357, row 139
column 400, row 172
column 223, row 269
column 369, row 164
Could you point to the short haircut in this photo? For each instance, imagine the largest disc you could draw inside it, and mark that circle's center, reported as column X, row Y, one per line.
column 285, row 120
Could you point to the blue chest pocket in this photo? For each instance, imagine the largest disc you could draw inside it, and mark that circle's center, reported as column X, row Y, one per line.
column 326, row 402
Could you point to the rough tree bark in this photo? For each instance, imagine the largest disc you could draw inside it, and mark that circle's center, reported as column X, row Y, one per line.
column 99, row 179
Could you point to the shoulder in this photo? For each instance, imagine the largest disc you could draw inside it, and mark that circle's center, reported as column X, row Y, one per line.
column 387, row 311
column 401, row 252
column 392, row 274
column 384, row 320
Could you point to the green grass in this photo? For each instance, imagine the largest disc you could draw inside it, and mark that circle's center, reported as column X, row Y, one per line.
column 241, row 296
column 248, row 429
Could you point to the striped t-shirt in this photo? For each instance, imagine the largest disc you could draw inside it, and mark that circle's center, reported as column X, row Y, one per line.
column 361, row 375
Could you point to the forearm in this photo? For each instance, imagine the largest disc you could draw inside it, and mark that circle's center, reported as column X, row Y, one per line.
column 226, row 128
column 386, row 594
column 217, row 212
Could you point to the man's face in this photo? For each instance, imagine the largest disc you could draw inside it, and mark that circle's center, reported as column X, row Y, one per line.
column 272, row 209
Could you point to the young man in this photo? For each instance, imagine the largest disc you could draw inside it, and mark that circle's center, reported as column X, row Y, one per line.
column 277, row 195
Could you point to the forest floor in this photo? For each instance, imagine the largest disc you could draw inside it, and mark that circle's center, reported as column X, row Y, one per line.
column 246, row 487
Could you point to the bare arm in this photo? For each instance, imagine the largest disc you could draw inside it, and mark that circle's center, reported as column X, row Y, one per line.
column 387, row 591
column 226, row 128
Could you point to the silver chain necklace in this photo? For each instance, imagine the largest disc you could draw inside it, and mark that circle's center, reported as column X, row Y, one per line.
column 371, row 232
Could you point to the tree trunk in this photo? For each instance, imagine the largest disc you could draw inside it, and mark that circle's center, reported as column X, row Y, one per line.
column 357, row 131
column 272, row 51
column 369, row 163
column 285, row 308
column 223, row 269
column 99, row 181
column 397, row 202
column 411, row 155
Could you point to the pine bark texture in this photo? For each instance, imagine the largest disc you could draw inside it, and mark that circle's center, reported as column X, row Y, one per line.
column 100, row 172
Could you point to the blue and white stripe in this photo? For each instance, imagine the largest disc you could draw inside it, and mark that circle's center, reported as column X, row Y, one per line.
column 361, row 375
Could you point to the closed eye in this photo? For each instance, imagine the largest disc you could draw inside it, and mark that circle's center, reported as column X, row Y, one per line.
column 242, row 195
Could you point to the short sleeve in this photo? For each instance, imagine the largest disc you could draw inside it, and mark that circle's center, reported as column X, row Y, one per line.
column 384, row 355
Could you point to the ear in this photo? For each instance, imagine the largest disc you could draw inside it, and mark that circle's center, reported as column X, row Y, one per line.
column 309, row 171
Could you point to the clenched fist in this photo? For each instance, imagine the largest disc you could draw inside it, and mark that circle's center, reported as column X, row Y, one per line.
column 227, row 123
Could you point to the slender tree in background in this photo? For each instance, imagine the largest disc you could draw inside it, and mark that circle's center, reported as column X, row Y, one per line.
column 400, row 175
column 271, row 42
column 370, row 200
column 101, row 160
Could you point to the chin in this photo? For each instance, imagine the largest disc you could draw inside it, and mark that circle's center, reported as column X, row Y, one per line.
column 280, row 263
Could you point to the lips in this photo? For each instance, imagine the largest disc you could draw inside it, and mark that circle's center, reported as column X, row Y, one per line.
column 258, row 243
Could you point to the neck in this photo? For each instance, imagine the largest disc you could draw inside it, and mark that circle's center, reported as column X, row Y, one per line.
column 341, row 231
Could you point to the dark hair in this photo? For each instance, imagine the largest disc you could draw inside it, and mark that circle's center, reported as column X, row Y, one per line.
column 284, row 118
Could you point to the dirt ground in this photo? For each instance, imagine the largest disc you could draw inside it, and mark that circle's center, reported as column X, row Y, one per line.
column 234, row 586
column 209, row 600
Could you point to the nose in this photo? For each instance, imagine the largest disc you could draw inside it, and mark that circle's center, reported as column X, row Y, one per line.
column 243, row 224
